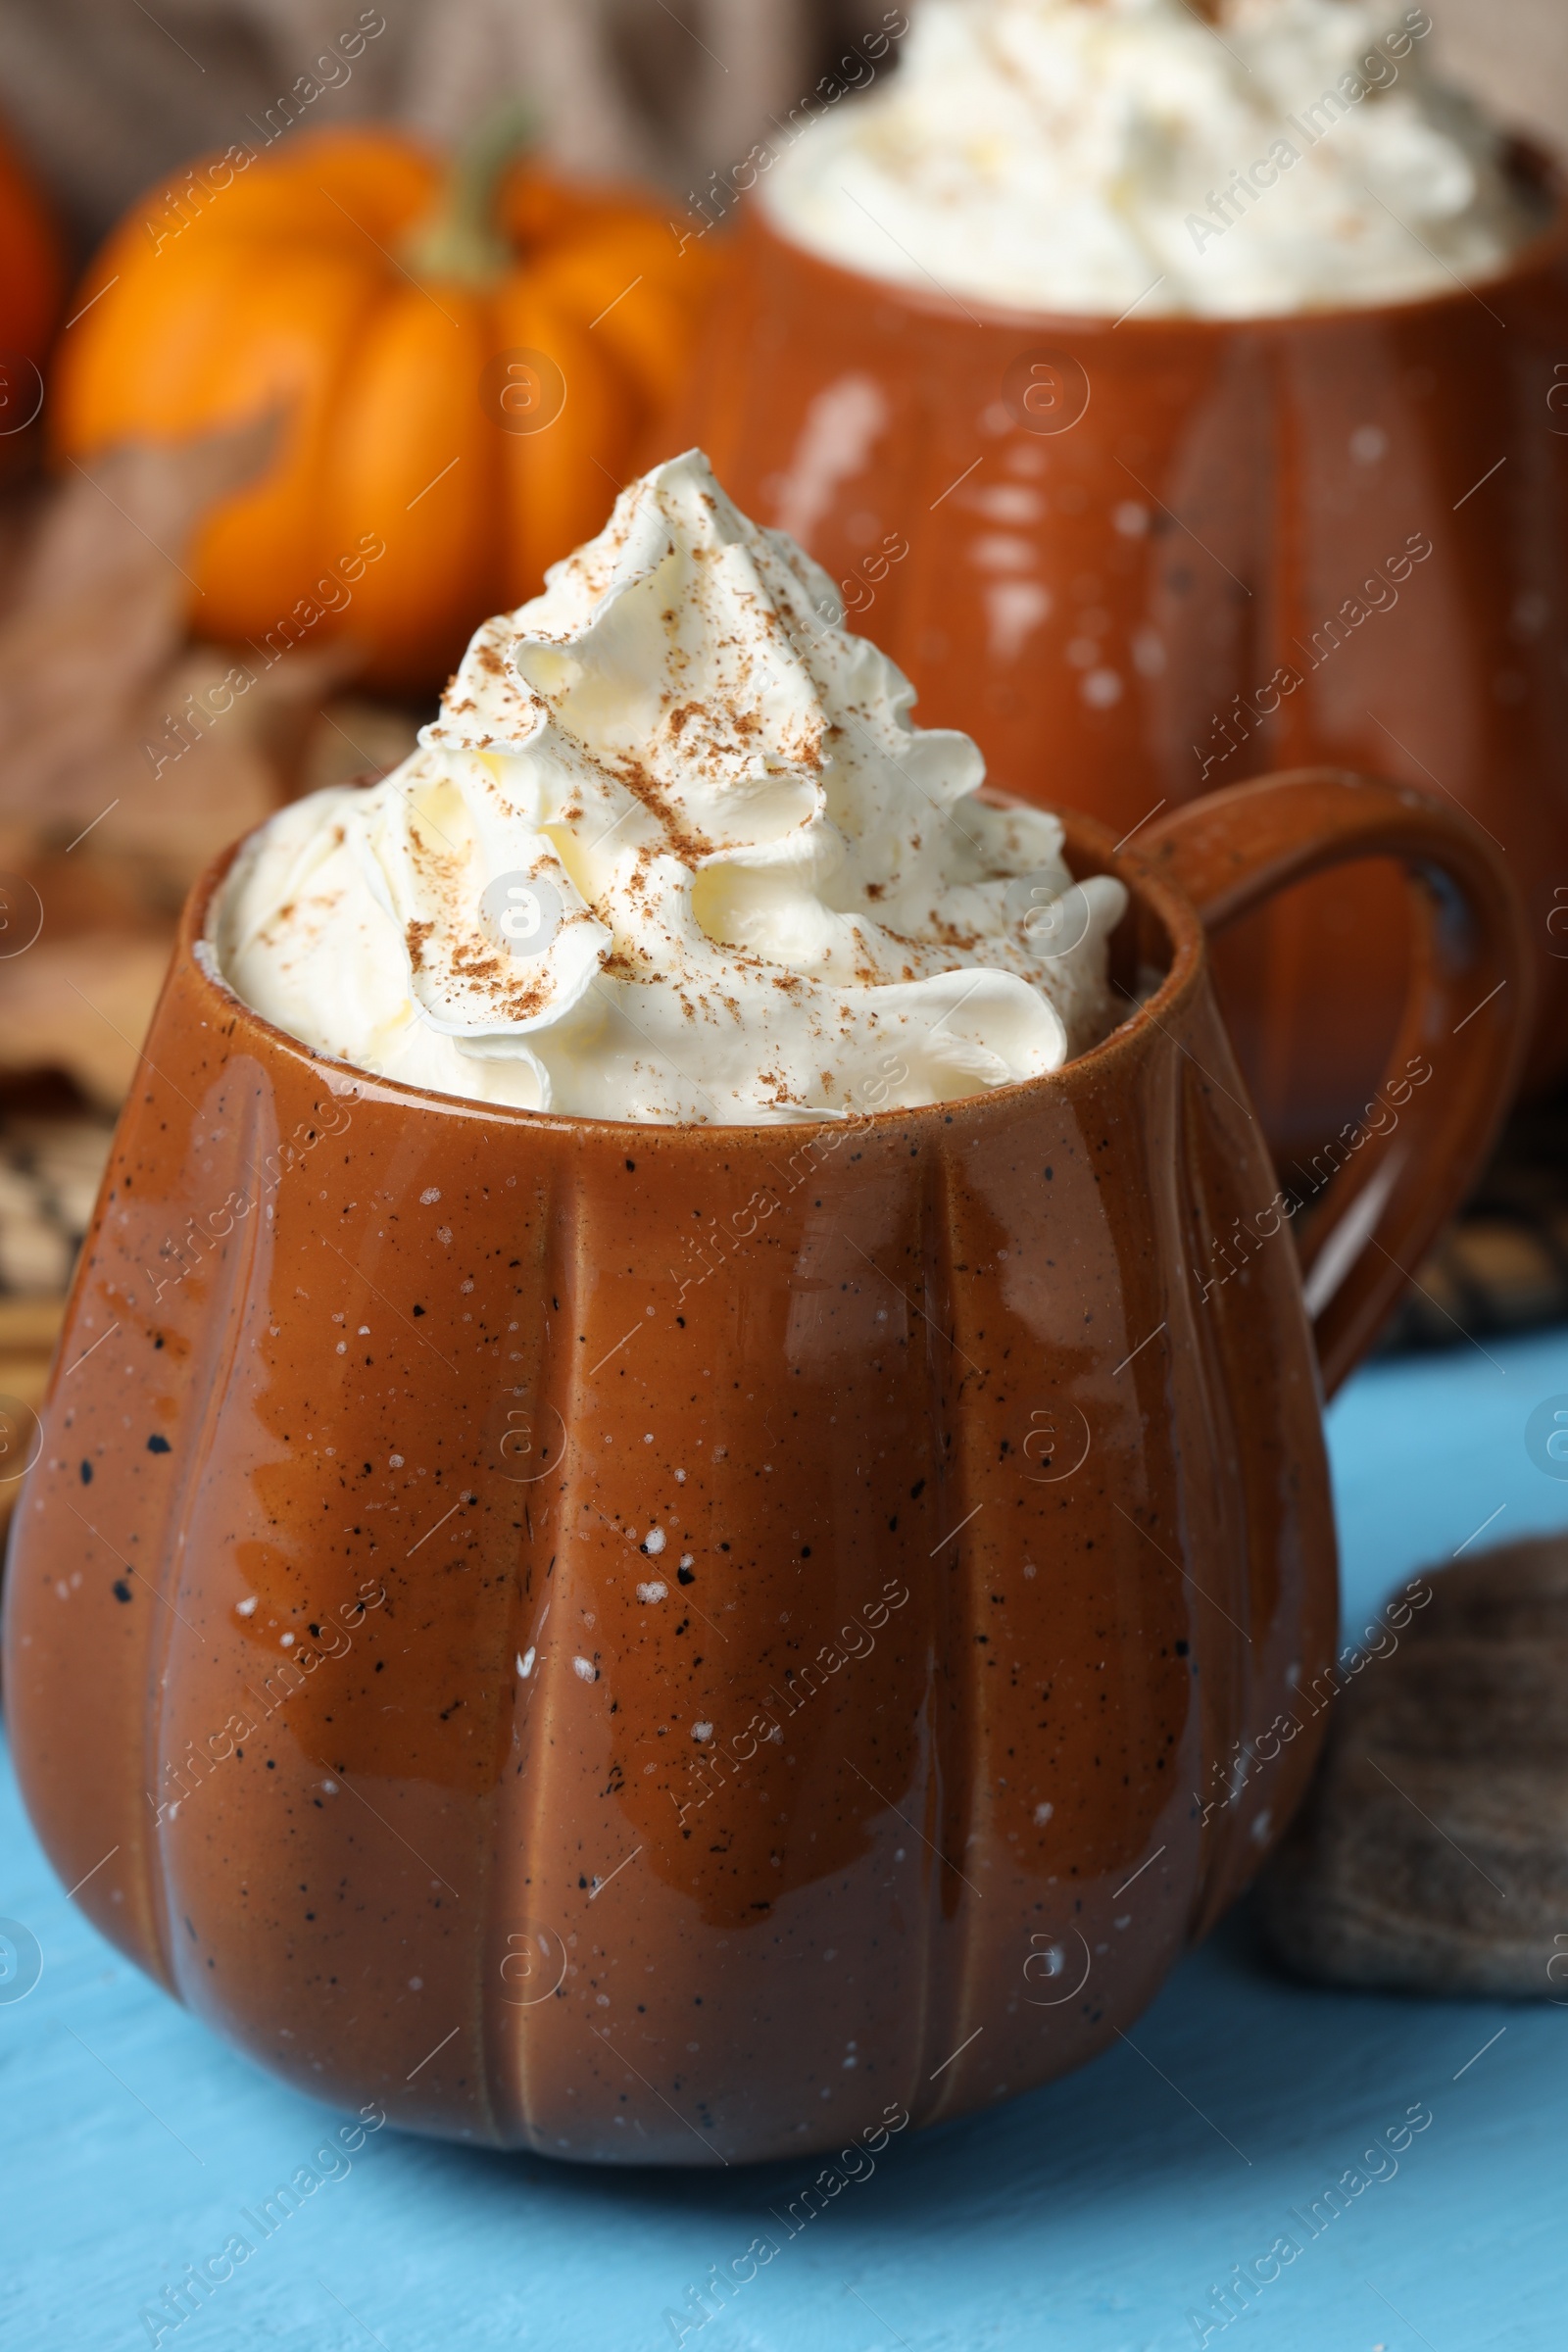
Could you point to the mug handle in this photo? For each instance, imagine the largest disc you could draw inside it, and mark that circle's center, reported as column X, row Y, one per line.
column 1466, row 1014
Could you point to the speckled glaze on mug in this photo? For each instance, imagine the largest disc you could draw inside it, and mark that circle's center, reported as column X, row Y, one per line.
column 680, row 1646
column 1123, row 536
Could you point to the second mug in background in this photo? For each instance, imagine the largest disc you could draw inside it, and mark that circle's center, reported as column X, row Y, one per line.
column 1142, row 558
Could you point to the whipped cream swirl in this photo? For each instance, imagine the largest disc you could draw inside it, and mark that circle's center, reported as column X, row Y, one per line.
column 1087, row 155
column 674, row 852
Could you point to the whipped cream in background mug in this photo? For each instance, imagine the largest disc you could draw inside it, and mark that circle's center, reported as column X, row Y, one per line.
column 674, row 852
column 1087, row 155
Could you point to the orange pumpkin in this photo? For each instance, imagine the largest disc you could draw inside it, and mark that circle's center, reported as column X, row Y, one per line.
column 462, row 361
column 32, row 278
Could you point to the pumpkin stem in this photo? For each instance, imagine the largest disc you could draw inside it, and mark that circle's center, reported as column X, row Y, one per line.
column 459, row 240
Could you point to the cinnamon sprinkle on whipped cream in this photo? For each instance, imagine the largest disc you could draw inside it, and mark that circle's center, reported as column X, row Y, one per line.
column 673, row 852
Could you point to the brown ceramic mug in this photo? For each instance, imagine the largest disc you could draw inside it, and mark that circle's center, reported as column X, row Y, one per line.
column 1133, row 558
column 690, row 1644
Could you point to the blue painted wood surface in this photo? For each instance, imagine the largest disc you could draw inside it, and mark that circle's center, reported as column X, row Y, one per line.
column 1094, row 2215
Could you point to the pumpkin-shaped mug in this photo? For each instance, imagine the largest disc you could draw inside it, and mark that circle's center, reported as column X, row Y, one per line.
column 692, row 1644
column 1182, row 551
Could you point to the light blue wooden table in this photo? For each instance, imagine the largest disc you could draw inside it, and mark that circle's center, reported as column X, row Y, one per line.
column 1091, row 2217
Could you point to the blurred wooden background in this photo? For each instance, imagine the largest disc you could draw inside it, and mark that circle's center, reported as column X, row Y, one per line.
column 105, row 96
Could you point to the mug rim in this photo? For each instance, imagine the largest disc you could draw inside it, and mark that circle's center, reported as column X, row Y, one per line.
column 195, row 956
column 1531, row 160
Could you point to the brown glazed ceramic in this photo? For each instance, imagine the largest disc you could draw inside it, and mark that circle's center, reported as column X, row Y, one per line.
column 680, row 1646
column 1126, row 540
